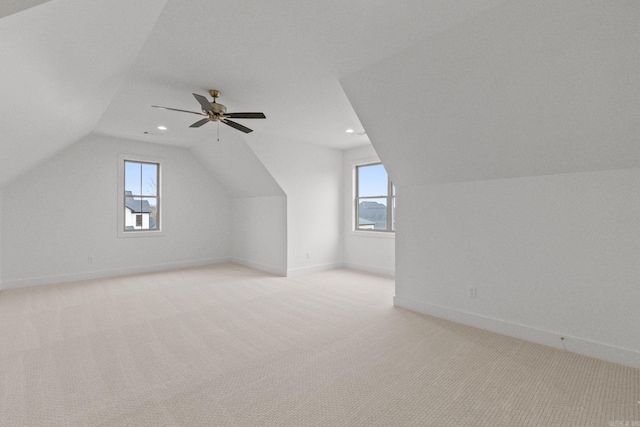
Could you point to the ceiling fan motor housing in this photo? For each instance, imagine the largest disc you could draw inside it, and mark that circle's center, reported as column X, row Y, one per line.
column 218, row 110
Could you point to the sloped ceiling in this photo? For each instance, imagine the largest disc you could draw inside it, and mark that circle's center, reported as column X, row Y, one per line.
column 62, row 63
column 281, row 57
column 9, row 7
column 71, row 67
column 529, row 88
column 447, row 91
column 236, row 167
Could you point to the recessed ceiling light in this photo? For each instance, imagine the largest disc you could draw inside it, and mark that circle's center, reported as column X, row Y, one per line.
column 349, row 130
column 162, row 127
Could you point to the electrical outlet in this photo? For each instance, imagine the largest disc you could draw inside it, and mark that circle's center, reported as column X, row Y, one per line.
column 471, row 292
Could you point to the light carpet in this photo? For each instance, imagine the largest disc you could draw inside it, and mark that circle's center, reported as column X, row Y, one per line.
column 229, row 346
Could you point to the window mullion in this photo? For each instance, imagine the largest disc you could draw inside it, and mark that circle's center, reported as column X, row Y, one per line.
column 388, row 203
column 157, row 197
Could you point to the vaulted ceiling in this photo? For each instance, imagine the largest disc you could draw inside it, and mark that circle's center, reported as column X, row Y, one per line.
column 447, row 91
column 72, row 67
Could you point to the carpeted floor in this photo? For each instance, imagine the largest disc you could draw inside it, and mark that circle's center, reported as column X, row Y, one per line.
column 229, row 346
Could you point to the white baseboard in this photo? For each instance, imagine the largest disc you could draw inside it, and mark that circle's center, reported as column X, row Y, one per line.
column 370, row 268
column 313, row 268
column 262, row 267
column 88, row 275
column 578, row 345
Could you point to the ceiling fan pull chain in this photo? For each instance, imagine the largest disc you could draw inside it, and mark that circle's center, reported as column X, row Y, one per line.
column 218, row 131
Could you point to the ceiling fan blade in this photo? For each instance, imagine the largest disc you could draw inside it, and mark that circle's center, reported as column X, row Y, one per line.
column 237, row 126
column 175, row 109
column 245, row 115
column 200, row 123
column 206, row 105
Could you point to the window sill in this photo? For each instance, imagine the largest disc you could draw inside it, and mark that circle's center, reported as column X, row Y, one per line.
column 158, row 233
column 374, row 234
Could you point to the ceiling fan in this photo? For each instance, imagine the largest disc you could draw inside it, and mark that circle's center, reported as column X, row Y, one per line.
column 215, row 112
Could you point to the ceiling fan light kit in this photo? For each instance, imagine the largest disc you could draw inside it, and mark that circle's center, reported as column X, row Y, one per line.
column 215, row 112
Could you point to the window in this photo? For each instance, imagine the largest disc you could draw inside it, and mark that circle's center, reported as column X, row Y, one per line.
column 375, row 199
column 141, row 207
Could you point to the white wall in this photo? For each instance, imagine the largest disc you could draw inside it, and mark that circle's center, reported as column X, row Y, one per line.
column 63, row 212
column 1, row 285
column 259, row 206
column 373, row 252
column 498, row 130
column 311, row 177
column 259, row 227
column 550, row 256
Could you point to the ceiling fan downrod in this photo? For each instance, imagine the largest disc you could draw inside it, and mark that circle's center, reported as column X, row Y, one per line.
column 214, row 94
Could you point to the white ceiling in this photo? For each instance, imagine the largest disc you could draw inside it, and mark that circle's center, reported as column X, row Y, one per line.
column 62, row 64
column 447, row 90
column 9, row 7
column 282, row 57
column 72, row 67
column 529, row 88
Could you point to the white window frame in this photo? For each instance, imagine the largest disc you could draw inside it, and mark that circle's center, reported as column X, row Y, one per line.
column 389, row 233
column 122, row 157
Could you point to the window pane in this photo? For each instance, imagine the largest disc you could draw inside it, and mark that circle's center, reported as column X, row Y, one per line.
column 151, row 205
column 372, row 214
column 372, row 181
column 132, row 177
column 141, row 213
column 149, row 180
